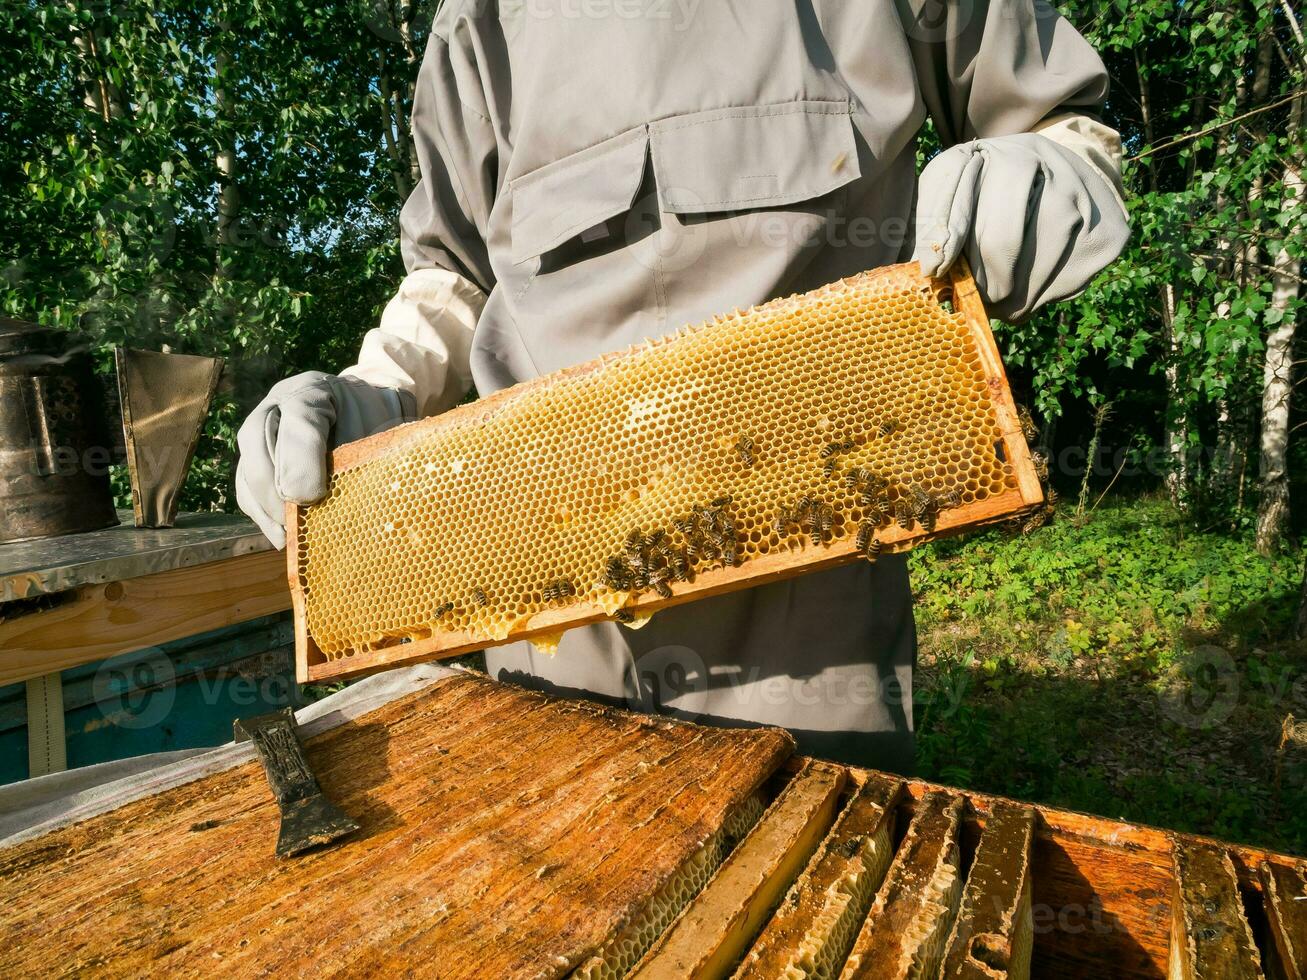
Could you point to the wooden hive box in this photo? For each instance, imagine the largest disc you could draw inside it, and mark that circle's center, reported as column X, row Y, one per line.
column 765, row 444
column 510, row 834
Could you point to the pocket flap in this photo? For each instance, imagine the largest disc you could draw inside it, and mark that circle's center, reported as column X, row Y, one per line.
column 753, row 156
column 564, row 198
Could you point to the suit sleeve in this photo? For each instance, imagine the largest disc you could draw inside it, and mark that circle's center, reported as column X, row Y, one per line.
column 423, row 344
column 999, row 67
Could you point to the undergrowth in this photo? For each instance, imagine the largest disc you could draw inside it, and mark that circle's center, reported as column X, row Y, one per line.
column 1127, row 666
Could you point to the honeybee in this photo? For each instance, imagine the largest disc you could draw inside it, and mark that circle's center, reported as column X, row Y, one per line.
column 949, row 498
column 618, row 574
column 730, row 549
column 828, row 467
column 444, row 609
column 826, row 518
column 480, row 598
column 1040, row 462
column 873, row 509
column 927, row 519
column 1035, row 521
column 920, row 501
column 1029, row 431
column 745, row 448
column 624, row 616
column 872, row 551
column 1051, row 497
column 685, row 525
column 903, row 514
column 663, row 589
column 725, row 500
column 865, row 531
column 835, row 448
column 634, row 542
column 857, row 477
column 781, row 522
column 558, row 590
column 818, row 521
column 888, row 428
column 680, row 566
column 850, row 848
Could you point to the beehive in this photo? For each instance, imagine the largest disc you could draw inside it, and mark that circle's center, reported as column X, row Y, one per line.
column 508, row 834
column 867, row 414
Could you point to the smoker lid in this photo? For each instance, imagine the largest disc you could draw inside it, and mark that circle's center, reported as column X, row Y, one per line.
column 20, row 337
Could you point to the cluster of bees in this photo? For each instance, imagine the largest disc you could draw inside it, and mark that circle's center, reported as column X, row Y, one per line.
column 709, row 535
column 1033, row 521
column 655, row 560
column 816, row 517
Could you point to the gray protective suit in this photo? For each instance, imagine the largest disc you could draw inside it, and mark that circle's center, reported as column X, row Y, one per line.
column 608, row 170
column 607, row 178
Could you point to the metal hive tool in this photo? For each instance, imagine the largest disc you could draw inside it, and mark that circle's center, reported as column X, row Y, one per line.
column 864, row 416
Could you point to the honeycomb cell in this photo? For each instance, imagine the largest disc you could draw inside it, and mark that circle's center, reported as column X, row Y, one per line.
column 519, row 504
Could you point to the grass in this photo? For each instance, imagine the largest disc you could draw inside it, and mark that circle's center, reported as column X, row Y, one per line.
column 1126, row 666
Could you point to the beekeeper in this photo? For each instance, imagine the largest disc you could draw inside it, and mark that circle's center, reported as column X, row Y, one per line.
column 596, row 172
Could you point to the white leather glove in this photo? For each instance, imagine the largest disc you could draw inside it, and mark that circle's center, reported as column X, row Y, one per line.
column 285, row 442
column 1035, row 220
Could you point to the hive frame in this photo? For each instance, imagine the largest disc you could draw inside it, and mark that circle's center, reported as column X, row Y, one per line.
column 312, row 665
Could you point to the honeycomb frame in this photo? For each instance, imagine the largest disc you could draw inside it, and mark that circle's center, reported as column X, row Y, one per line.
column 972, row 355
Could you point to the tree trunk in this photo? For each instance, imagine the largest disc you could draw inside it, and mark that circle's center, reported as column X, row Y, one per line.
column 396, row 131
column 392, row 135
column 1231, row 413
column 1277, row 375
column 98, row 94
column 225, row 161
column 1177, row 425
column 1300, row 627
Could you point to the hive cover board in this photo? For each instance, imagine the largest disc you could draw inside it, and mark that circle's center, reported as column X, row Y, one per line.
column 817, row 429
column 503, row 834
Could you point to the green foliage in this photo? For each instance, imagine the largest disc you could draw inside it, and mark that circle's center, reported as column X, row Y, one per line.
column 108, row 218
column 1126, row 666
column 1200, row 94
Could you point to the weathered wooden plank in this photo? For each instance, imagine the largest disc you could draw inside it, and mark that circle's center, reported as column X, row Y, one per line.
column 994, row 935
column 1284, row 891
column 812, row 931
column 504, row 833
column 1210, row 937
column 905, row 930
column 709, row 937
column 100, row 621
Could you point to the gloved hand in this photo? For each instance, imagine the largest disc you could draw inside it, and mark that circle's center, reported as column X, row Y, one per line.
column 285, row 441
column 1035, row 221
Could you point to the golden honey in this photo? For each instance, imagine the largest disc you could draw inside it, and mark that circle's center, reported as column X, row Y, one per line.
column 472, row 526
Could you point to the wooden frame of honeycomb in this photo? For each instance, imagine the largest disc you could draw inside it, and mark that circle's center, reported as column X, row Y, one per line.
column 761, row 445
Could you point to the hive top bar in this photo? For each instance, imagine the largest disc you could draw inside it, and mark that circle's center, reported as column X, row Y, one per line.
column 810, row 431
